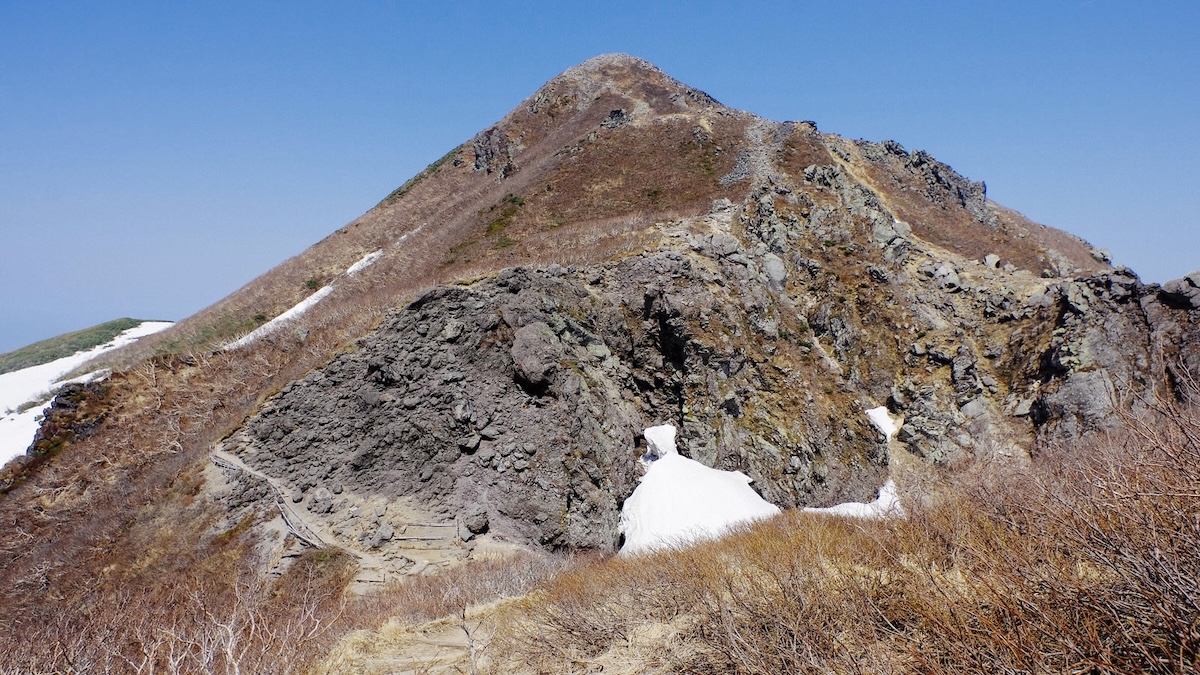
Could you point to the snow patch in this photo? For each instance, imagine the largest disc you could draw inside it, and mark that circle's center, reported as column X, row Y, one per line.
column 32, row 389
column 885, row 505
column 276, row 323
column 680, row 501
column 364, row 263
column 883, row 421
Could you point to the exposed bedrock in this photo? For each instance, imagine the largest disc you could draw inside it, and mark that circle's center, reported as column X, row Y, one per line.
column 518, row 401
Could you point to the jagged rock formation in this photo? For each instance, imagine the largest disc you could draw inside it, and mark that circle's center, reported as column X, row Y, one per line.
column 619, row 251
column 788, row 281
column 526, row 394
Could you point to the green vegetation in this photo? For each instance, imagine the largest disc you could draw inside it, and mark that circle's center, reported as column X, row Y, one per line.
column 64, row 345
column 222, row 328
column 500, row 215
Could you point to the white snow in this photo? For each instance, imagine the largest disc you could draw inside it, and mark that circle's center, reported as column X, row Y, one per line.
column 30, row 385
column 305, row 304
column 276, row 323
column 680, row 501
column 364, row 263
column 883, row 421
column 887, row 504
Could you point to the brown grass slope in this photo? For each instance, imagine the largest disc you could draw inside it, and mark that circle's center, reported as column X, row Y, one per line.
column 1082, row 562
column 581, row 172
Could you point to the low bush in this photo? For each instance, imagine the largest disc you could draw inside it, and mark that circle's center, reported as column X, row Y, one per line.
column 424, row 598
column 1084, row 561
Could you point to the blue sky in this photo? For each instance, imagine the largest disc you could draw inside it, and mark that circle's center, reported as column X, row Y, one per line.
column 156, row 156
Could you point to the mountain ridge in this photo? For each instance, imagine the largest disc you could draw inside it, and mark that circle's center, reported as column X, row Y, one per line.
column 518, row 130
column 618, row 251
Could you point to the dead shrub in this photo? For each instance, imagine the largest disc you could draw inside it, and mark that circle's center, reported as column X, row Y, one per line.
column 425, row 598
column 1084, row 561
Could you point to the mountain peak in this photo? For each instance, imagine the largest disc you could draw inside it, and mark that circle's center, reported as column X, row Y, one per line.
column 620, row 75
column 471, row 363
column 613, row 60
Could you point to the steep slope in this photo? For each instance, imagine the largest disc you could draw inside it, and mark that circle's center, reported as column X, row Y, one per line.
column 477, row 355
column 31, row 377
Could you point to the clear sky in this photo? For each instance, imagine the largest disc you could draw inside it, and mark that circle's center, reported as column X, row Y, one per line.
column 156, row 156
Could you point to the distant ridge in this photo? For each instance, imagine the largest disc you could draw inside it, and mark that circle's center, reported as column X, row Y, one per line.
column 51, row 349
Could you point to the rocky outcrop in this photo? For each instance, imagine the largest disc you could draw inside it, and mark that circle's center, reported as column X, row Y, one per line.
column 514, row 404
column 657, row 258
column 942, row 184
column 494, row 152
column 77, row 412
column 1183, row 293
column 518, row 402
column 827, row 277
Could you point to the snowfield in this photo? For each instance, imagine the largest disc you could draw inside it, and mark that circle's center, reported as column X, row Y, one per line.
column 364, row 263
column 278, row 322
column 31, row 388
column 680, row 501
column 883, row 421
column 885, row 505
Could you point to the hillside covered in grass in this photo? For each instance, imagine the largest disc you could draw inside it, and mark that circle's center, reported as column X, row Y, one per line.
column 409, row 447
column 54, row 348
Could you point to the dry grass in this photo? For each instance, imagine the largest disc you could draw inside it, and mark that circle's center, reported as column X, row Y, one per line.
column 1014, row 238
column 1084, row 562
column 440, row 623
column 213, row 616
column 122, row 510
column 425, row 598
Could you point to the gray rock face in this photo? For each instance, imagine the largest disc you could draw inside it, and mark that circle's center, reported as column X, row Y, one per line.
column 518, row 402
column 1183, row 293
column 494, row 152
column 1113, row 345
column 535, row 352
column 947, row 277
column 515, row 405
column 775, row 270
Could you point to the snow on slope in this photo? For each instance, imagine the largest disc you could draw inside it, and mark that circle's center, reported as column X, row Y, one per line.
column 883, row 421
column 887, row 503
column 30, row 386
column 680, row 501
column 276, row 323
column 364, row 263
column 305, row 304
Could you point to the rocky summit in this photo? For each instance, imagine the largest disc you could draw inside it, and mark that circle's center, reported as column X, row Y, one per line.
column 784, row 281
column 619, row 251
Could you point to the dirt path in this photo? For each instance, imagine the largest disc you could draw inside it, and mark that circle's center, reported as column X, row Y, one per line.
column 458, row 644
column 389, row 538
